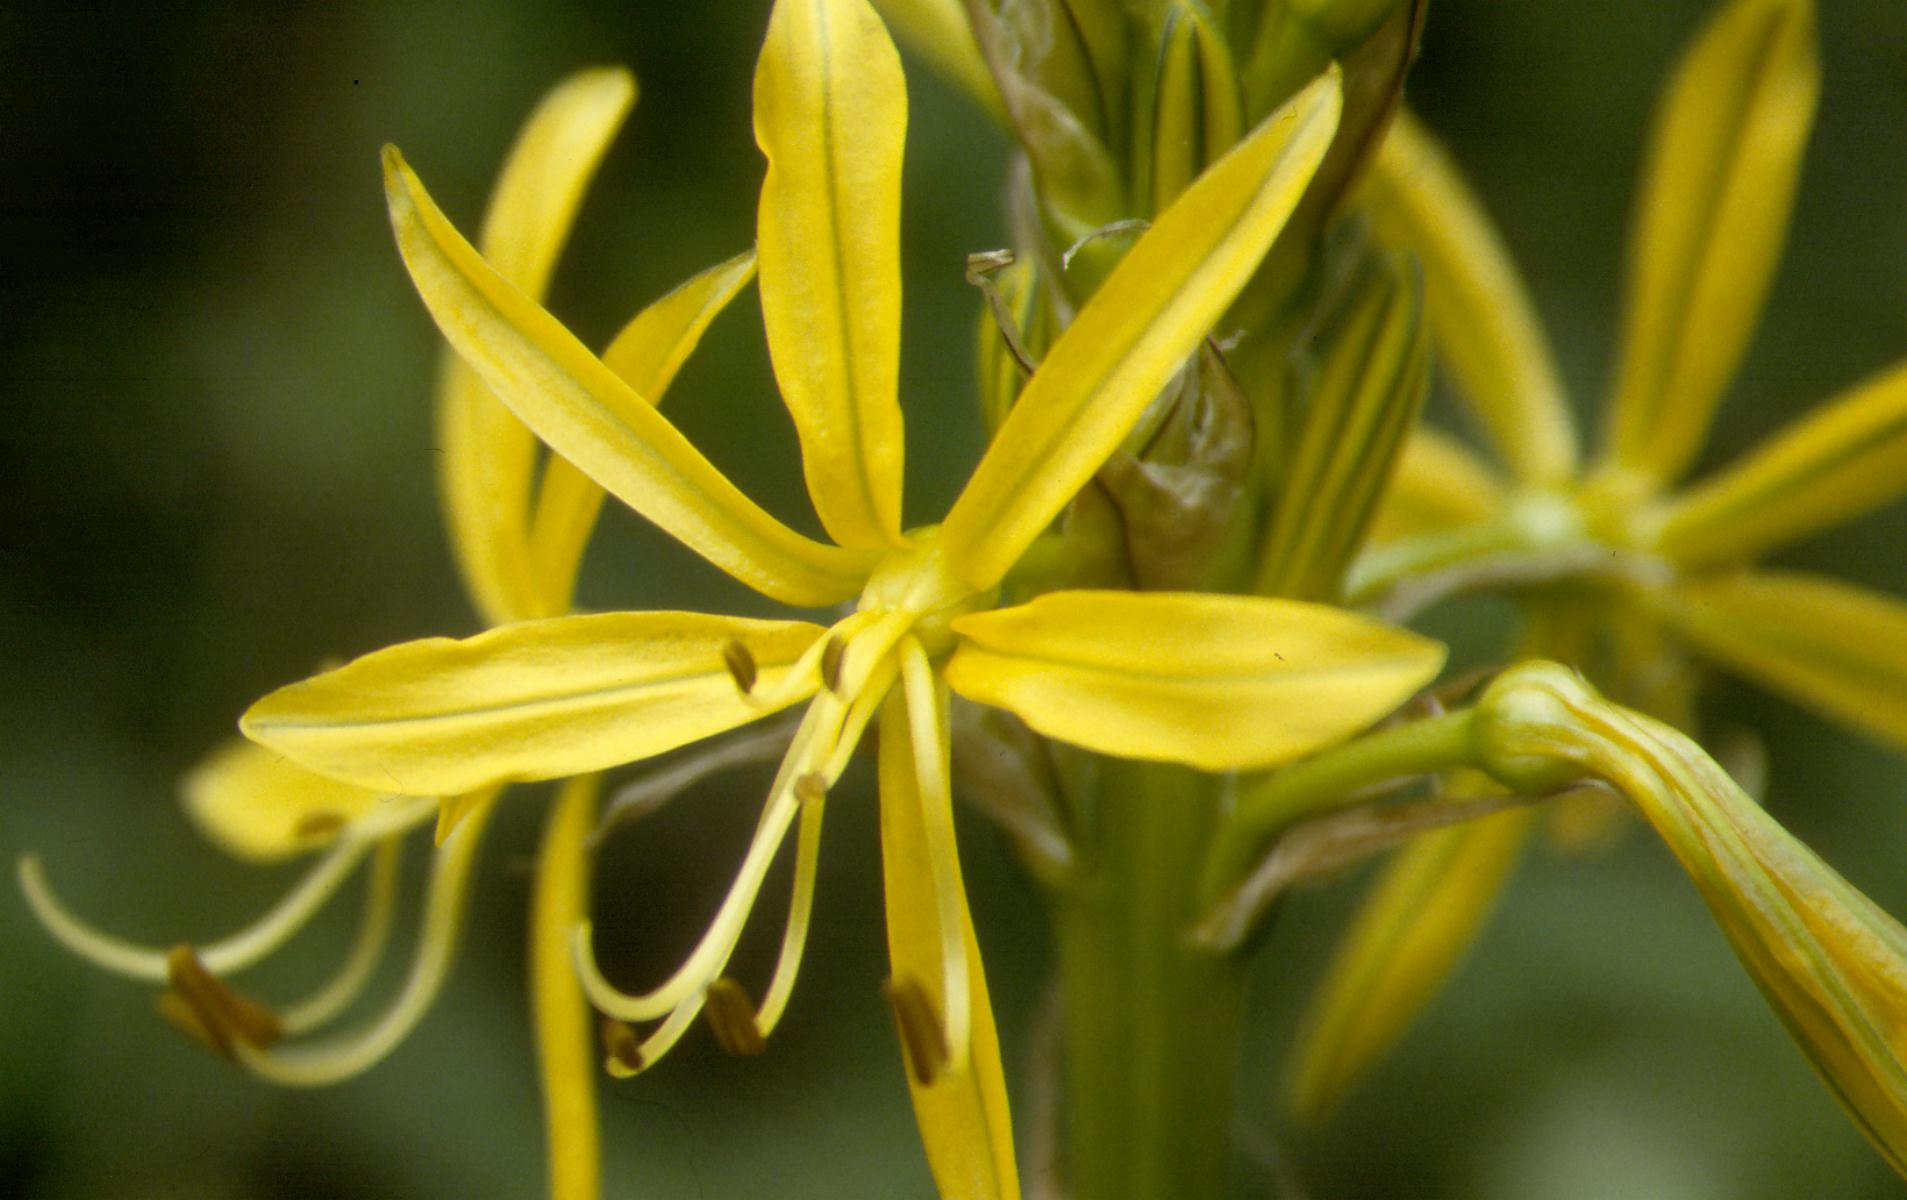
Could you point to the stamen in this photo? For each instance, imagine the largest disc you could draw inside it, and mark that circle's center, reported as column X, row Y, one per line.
column 622, row 1055
column 923, row 1040
column 731, row 1017
column 741, row 665
column 818, row 729
column 794, row 934
column 833, row 658
column 220, row 1015
column 339, row 1058
column 811, row 788
column 355, row 972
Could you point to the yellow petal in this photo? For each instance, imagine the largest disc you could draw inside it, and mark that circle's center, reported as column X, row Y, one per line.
column 1196, row 106
column 1832, row 646
column 534, row 700
column 585, row 413
column 1717, row 189
column 1481, row 316
column 1844, row 458
column 488, row 455
column 1217, row 682
column 565, row 1039
column 1438, row 484
column 645, row 355
column 1360, row 402
column 962, row 1109
column 1100, row 375
column 831, row 115
column 1833, row 965
column 257, row 805
column 1409, row 935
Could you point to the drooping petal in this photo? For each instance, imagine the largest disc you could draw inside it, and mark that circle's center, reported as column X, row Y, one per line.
column 1438, row 484
column 586, row 414
column 1481, row 316
column 1713, row 211
column 487, row 454
column 1830, row 645
column 1409, row 935
column 646, row 355
column 1837, row 462
column 831, row 115
column 1832, row 964
column 257, row 805
column 1100, row 375
column 565, row 1042
column 534, row 700
column 1216, row 682
column 959, row 1102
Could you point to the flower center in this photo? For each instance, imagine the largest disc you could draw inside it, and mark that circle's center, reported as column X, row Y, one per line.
column 916, row 581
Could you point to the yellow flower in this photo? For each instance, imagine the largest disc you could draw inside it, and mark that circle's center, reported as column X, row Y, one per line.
column 1647, row 572
column 518, row 554
column 1218, row 682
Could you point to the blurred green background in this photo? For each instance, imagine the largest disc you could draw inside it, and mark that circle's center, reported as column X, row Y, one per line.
column 219, row 452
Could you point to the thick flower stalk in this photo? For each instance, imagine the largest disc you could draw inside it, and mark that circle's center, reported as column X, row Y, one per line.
column 1217, row 682
column 1621, row 574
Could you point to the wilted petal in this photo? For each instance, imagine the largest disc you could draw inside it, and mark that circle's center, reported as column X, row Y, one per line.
column 1100, row 375
column 831, row 115
column 487, row 453
column 1717, row 190
column 1837, row 462
column 1481, row 317
column 1833, row 965
column 1216, row 682
column 588, row 415
column 534, row 700
column 646, row 356
column 1832, row 646
column 257, row 805
column 960, row 1101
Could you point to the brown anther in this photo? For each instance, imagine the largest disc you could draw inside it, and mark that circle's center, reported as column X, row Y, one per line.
column 318, row 824
column 211, row 1011
column 731, row 1017
column 833, row 658
column 622, row 1052
column 923, row 1039
column 740, row 664
column 811, row 787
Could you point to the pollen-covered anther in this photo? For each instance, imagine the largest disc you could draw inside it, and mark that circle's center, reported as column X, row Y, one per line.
column 834, row 657
column 811, row 787
column 741, row 665
column 923, row 1038
column 212, row 1012
column 731, row 1017
column 622, row 1052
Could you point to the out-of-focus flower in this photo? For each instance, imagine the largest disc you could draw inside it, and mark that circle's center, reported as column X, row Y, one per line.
column 1623, row 575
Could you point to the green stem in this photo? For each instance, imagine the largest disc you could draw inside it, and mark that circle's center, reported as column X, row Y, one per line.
column 1330, row 780
column 1152, row 1024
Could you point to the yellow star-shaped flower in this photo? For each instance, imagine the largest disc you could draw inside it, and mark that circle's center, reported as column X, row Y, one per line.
column 1625, row 574
column 1217, row 682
